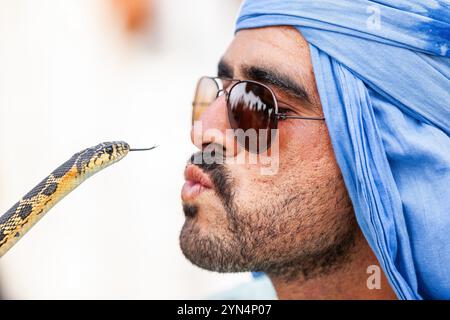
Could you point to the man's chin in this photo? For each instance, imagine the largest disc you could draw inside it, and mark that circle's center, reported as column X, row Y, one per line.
column 195, row 247
column 208, row 250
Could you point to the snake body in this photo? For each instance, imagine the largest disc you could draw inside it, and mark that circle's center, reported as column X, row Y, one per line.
column 32, row 207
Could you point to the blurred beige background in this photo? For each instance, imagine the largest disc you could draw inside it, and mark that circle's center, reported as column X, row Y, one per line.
column 75, row 73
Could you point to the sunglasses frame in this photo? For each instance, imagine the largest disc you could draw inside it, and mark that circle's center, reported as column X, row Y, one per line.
column 278, row 115
column 221, row 91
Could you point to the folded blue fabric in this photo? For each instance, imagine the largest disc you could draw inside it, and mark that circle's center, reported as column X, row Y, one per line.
column 383, row 73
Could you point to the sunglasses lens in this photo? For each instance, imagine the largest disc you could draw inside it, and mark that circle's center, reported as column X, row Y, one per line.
column 251, row 112
column 205, row 94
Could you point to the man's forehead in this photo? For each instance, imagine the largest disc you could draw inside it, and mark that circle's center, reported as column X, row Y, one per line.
column 278, row 47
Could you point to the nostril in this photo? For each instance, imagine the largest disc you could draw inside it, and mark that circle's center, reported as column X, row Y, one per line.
column 213, row 152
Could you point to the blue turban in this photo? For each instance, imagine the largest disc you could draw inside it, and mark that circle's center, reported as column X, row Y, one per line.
column 383, row 74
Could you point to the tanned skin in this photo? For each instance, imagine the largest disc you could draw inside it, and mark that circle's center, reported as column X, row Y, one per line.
column 298, row 225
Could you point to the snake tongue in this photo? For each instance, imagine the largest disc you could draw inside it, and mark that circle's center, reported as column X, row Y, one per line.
column 144, row 149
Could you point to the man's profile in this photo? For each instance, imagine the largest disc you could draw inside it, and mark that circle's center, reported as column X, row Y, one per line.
column 347, row 196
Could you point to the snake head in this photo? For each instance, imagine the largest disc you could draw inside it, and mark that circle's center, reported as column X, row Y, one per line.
column 96, row 158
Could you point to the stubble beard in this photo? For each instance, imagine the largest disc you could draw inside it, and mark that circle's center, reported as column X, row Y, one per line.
column 282, row 237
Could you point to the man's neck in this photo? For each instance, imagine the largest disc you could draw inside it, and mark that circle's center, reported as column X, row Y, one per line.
column 359, row 278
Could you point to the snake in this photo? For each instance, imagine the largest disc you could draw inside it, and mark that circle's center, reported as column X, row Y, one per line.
column 23, row 215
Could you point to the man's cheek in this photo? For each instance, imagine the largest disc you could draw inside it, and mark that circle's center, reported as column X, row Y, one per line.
column 269, row 160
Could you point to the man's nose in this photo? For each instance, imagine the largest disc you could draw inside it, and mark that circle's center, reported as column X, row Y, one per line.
column 213, row 128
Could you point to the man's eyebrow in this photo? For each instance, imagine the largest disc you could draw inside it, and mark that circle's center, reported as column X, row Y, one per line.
column 224, row 70
column 277, row 79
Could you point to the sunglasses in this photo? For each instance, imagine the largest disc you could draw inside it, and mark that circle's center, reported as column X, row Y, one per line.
column 251, row 106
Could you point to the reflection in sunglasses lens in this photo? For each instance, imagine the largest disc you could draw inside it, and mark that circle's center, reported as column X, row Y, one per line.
column 251, row 112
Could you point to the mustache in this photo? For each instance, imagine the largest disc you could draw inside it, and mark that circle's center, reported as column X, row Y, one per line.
column 211, row 162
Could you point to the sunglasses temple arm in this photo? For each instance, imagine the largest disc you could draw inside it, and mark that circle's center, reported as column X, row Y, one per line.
column 282, row 116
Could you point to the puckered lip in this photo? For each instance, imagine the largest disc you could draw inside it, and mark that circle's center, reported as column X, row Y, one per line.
column 195, row 175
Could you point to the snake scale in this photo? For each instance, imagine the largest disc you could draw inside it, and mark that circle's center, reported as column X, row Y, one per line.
column 63, row 180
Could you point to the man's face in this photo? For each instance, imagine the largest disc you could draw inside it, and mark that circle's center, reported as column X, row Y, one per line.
column 299, row 220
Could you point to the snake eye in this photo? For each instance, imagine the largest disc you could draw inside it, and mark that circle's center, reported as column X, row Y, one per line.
column 109, row 149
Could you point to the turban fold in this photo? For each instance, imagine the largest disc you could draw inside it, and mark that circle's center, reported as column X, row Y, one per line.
column 382, row 70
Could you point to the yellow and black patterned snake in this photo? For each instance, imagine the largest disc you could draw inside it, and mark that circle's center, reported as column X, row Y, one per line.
column 63, row 180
